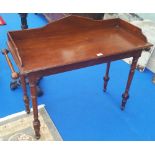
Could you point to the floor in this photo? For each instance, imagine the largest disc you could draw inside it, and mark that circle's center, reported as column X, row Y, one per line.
column 75, row 100
column 19, row 127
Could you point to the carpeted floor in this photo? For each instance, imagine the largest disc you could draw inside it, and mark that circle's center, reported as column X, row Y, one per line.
column 19, row 127
column 75, row 100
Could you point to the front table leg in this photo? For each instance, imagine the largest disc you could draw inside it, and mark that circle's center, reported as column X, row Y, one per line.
column 125, row 95
column 26, row 99
column 36, row 122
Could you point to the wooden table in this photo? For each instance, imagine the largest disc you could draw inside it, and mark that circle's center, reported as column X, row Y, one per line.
column 71, row 43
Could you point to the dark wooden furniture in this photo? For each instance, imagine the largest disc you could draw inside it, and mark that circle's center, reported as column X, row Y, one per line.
column 51, row 17
column 23, row 17
column 15, row 76
column 71, row 43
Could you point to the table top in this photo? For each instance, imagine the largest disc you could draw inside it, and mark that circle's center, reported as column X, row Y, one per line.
column 71, row 40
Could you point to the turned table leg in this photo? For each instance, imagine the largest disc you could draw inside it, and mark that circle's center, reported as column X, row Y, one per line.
column 23, row 17
column 36, row 122
column 25, row 98
column 106, row 77
column 125, row 95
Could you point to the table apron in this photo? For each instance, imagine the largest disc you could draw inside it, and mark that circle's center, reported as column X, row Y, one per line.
column 78, row 65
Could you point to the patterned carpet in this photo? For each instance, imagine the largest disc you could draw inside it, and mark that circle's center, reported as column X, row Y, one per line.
column 19, row 127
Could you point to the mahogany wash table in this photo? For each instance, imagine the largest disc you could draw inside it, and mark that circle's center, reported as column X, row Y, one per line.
column 71, row 43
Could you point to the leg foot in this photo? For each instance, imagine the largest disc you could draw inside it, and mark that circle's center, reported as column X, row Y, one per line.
column 106, row 79
column 125, row 97
column 122, row 108
column 36, row 125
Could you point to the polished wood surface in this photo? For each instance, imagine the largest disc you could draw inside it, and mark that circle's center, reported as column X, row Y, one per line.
column 71, row 43
column 70, row 40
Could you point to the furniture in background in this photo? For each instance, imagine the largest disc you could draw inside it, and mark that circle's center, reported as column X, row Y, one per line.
column 23, row 17
column 51, row 17
column 15, row 76
column 71, row 43
column 15, row 83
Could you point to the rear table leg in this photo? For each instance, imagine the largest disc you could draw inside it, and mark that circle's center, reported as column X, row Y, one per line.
column 106, row 77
